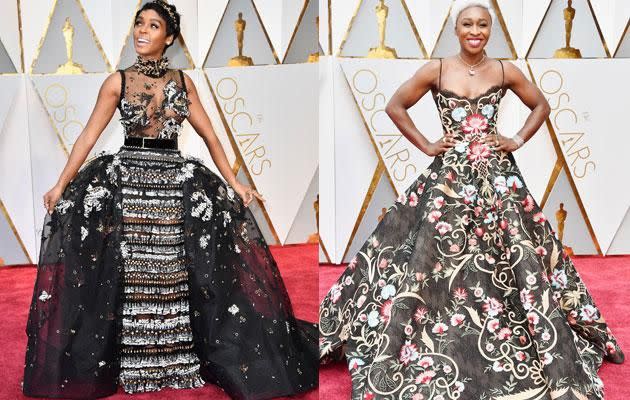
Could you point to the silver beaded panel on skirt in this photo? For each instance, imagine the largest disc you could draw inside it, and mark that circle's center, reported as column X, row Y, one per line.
column 156, row 336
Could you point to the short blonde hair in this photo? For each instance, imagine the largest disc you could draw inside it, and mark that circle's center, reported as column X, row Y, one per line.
column 460, row 5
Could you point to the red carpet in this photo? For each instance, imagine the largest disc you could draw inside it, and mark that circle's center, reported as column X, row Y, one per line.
column 608, row 280
column 297, row 263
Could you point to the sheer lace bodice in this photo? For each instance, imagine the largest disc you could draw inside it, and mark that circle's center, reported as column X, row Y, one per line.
column 153, row 107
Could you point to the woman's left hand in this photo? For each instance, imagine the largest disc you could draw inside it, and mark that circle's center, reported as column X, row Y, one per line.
column 246, row 193
column 500, row 142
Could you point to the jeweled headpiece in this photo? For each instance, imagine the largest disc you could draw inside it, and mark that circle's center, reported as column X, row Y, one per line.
column 171, row 13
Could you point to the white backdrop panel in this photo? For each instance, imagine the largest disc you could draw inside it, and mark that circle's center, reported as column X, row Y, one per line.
column 373, row 82
column 586, row 122
column 15, row 163
column 9, row 32
column 277, row 139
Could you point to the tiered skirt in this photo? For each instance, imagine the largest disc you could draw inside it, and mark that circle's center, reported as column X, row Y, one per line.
column 156, row 342
column 153, row 274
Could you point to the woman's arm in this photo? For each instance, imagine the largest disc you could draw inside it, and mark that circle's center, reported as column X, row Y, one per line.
column 102, row 113
column 201, row 124
column 533, row 98
column 405, row 97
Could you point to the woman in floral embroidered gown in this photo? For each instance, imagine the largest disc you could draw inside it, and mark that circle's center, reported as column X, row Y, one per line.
column 463, row 290
column 152, row 270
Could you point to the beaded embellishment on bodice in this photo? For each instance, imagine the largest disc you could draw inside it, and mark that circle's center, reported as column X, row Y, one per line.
column 153, row 106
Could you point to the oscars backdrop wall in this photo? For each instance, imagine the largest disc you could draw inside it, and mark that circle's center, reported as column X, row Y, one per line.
column 253, row 63
column 575, row 53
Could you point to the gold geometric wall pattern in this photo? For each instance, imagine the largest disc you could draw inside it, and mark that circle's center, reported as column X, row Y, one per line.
column 499, row 46
column 256, row 131
column 304, row 227
column 562, row 205
column 69, row 44
column 380, row 168
column 178, row 53
column 581, row 37
column 304, row 43
column 12, row 249
column 382, row 29
column 580, row 130
column 562, row 167
column 379, row 195
column 6, row 64
column 11, row 38
column 381, row 182
column 623, row 49
column 68, row 101
column 241, row 38
column 239, row 168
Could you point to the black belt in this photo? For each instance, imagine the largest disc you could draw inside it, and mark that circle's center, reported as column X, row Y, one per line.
column 151, row 143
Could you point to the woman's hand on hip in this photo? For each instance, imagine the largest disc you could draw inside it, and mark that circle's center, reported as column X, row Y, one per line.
column 501, row 143
column 441, row 146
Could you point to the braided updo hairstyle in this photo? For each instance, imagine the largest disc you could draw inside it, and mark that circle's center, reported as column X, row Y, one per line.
column 169, row 13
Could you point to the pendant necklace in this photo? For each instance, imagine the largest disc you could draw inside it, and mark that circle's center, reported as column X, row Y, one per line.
column 471, row 68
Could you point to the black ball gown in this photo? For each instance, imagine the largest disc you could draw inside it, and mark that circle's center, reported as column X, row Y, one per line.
column 463, row 291
column 153, row 274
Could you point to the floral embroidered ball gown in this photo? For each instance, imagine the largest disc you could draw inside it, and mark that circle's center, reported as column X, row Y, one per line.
column 463, row 290
column 153, row 274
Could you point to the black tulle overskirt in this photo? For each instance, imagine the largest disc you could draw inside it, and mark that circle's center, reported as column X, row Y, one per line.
column 244, row 330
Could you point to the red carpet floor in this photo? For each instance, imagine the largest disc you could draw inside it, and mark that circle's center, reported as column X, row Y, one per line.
column 608, row 280
column 298, row 265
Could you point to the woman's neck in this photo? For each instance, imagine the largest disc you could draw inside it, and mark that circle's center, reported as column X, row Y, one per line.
column 470, row 58
column 152, row 57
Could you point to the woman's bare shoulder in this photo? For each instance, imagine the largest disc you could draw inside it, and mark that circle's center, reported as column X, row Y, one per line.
column 512, row 72
column 112, row 84
column 428, row 72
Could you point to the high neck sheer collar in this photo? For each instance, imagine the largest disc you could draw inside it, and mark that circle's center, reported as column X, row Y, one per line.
column 154, row 68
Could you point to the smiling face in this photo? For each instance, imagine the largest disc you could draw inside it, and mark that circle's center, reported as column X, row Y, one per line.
column 473, row 29
column 149, row 34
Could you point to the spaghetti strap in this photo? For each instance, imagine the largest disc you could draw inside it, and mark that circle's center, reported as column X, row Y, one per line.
column 440, row 77
column 181, row 76
column 502, row 74
column 122, row 86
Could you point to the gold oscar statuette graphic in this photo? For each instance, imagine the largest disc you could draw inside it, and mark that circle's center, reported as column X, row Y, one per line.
column 314, row 238
column 313, row 58
column 561, row 216
column 382, row 51
column 567, row 51
column 70, row 67
column 240, row 60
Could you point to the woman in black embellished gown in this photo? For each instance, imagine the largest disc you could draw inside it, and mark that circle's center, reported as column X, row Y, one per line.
column 463, row 290
column 152, row 270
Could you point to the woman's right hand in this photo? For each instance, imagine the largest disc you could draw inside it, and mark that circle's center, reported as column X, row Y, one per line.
column 52, row 197
column 441, row 146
